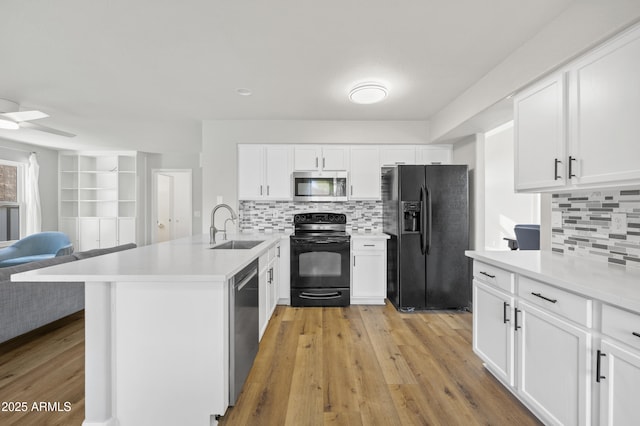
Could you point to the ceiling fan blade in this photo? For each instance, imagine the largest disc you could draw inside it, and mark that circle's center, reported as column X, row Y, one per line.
column 40, row 127
column 20, row 116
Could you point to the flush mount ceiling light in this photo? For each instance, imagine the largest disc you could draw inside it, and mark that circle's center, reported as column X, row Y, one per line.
column 367, row 93
column 243, row 91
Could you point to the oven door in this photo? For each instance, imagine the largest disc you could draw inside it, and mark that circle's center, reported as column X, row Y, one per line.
column 320, row 272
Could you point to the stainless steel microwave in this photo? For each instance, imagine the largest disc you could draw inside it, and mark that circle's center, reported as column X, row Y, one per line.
column 320, row 186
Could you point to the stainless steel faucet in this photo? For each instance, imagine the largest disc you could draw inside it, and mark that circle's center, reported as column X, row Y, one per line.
column 212, row 229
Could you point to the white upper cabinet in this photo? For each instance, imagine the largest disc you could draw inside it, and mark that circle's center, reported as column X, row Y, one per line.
column 393, row 155
column 364, row 173
column 433, row 154
column 317, row 158
column 579, row 128
column 264, row 172
column 250, row 172
column 539, row 132
column 605, row 113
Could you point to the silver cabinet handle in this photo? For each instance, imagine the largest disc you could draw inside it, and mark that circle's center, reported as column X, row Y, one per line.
column 323, row 163
column 267, row 189
column 316, row 162
column 260, row 189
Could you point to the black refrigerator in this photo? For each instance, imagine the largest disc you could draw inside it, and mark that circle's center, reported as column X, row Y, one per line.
column 426, row 214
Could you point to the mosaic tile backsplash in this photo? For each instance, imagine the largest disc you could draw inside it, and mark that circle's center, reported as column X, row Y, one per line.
column 593, row 225
column 277, row 216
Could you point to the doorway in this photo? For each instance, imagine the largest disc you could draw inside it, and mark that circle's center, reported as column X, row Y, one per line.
column 172, row 204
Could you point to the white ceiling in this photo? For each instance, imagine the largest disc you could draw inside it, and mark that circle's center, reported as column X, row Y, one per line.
column 143, row 74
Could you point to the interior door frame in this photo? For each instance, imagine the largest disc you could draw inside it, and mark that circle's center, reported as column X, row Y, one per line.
column 154, row 197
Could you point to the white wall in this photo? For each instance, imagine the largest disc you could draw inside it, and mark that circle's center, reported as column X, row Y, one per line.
column 48, row 181
column 582, row 25
column 219, row 140
column 503, row 207
column 470, row 151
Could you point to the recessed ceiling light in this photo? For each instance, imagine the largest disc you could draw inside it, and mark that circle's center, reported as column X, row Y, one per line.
column 243, row 91
column 368, row 93
column 8, row 124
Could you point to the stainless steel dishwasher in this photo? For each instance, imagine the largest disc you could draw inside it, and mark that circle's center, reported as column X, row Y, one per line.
column 243, row 327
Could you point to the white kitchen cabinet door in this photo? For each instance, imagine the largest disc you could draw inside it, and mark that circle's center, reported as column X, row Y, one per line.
column 493, row 330
column 433, row 154
column 334, row 158
column 278, row 168
column 250, row 172
column 393, row 155
column 619, row 385
column 126, row 230
column 540, row 135
column 108, row 232
column 605, row 100
column 275, row 278
column 307, row 157
column 368, row 271
column 553, row 356
column 365, row 173
column 89, row 230
column 263, row 296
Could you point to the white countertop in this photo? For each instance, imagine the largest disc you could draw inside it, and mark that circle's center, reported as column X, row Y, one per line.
column 612, row 284
column 182, row 260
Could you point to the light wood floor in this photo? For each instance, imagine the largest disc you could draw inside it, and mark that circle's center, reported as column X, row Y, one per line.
column 46, row 365
column 370, row 365
column 360, row 365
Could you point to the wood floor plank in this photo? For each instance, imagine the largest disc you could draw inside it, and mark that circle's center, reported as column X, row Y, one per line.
column 305, row 399
column 339, row 382
column 393, row 366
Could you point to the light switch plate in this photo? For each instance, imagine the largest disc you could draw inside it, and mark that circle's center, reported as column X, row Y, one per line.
column 556, row 219
column 618, row 223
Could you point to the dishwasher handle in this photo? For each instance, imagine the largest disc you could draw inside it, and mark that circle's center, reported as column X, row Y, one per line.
column 239, row 286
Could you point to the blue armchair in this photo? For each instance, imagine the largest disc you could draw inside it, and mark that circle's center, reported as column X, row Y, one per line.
column 528, row 237
column 40, row 246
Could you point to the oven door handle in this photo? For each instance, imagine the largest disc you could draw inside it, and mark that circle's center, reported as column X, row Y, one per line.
column 324, row 296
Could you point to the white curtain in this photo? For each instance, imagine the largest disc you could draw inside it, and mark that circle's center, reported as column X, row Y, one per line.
column 32, row 197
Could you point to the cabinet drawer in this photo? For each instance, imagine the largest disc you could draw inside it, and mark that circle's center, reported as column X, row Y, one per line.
column 363, row 245
column 569, row 305
column 621, row 325
column 492, row 275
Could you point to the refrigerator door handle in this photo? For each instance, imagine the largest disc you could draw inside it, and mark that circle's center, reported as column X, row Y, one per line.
column 429, row 209
column 423, row 217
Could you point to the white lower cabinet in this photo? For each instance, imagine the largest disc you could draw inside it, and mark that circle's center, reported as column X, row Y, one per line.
column 552, row 361
column 619, row 385
column 368, row 271
column 268, row 285
column 492, row 330
column 617, row 367
column 539, row 348
column 263, row 293
column 97, row 233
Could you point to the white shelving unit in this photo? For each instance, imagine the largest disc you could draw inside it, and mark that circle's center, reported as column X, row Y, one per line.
column 98, row 198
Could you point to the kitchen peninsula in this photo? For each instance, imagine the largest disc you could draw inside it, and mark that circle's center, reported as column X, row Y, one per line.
column 157, row 329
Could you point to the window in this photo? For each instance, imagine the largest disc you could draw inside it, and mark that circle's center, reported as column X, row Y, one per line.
column 10, row 200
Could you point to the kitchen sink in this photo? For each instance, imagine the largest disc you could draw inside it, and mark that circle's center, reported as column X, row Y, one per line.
column 237, row 245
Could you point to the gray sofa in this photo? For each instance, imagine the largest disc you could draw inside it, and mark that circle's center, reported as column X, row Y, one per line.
column 25, row 306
